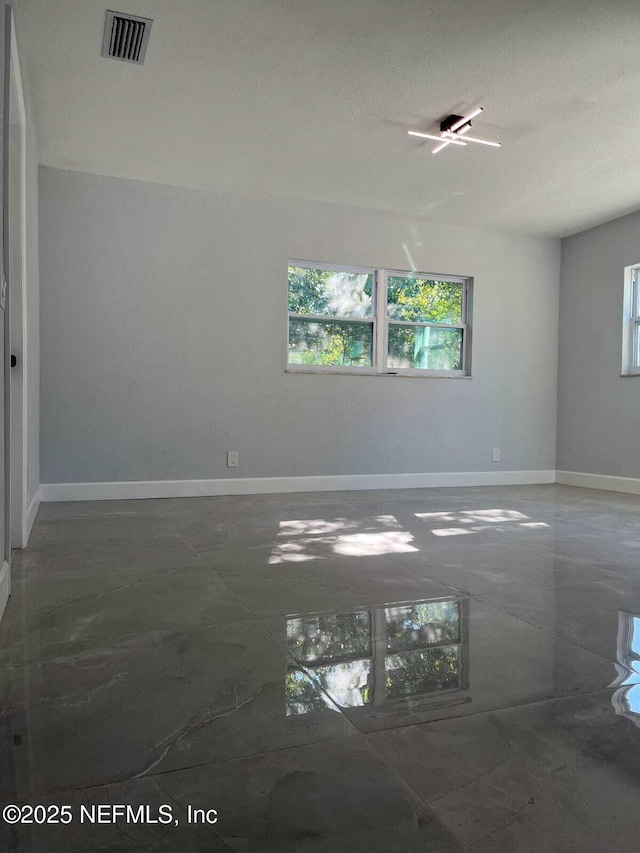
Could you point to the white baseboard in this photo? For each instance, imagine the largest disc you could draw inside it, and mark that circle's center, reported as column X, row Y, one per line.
column 32, row 511
column 5, row 586
column 137, row 489
column 629, row 485
column 270, row 485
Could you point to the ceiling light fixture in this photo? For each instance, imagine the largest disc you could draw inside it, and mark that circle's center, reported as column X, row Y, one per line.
column 452, row 129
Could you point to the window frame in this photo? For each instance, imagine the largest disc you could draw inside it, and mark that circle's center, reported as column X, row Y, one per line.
column 631, row 321
column 381, row 322
column 389, row 321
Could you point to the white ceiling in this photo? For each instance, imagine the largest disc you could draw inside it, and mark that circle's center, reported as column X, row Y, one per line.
column 312, row 99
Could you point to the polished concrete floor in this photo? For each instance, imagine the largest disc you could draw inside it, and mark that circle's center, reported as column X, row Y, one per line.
column 424, row 670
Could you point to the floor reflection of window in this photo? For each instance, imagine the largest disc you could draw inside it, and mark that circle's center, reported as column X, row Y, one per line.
column 377, row 655
column 301, row 694
column 626, row 699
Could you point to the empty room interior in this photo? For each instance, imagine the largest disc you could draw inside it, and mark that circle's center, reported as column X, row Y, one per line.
column 320, row 333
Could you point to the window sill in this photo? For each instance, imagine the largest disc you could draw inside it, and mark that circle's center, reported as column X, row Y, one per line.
column 627, row 375
column 373, row 375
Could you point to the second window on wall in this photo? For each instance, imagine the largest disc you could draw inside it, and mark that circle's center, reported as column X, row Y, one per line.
column 631, row 327
column 352, row 319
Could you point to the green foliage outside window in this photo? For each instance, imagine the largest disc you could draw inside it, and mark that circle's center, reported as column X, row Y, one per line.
column 421, row 300
column 330, row 293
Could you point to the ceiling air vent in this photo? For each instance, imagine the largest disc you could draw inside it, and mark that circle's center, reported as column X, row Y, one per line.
column 126, row 37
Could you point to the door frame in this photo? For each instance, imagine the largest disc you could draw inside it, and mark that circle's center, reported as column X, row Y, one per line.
column 5, row 571
column 16, row 453
column 18, row 474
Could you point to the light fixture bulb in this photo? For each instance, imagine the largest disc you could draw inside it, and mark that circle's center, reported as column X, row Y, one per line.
column 436, row 138
column 483, row 141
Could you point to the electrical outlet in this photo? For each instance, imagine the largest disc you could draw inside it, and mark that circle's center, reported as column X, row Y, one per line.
column 232, row 459
column 496, row 454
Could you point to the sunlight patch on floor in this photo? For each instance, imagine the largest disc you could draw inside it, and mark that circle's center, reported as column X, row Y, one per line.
column 318, row 538
column 477, row 521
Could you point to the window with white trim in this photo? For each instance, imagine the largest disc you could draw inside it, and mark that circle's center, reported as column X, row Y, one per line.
column 375, row 321
column 631, row 326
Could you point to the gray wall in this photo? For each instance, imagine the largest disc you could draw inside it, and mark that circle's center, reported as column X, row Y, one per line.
column 598, row 410
column 164, row 341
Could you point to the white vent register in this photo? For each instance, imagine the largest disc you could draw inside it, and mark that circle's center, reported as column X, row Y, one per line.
column 126, row 37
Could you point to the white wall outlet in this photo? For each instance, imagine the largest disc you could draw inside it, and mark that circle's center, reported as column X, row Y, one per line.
column 232, row 459
column 496, row 454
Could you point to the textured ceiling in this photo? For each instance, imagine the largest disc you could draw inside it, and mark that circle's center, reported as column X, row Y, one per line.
column 312, row 99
